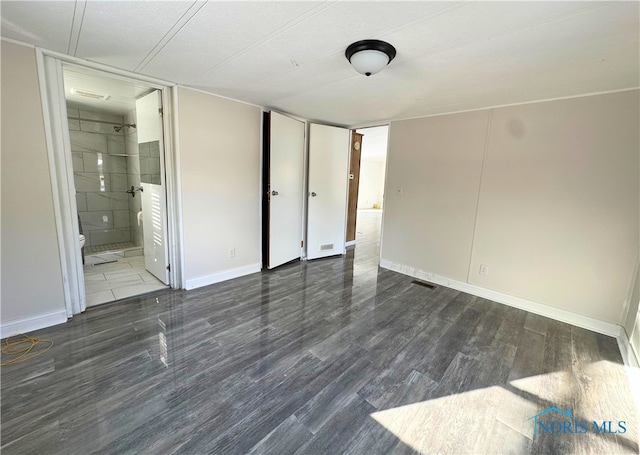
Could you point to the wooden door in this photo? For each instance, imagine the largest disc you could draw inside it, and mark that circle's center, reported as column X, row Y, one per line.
column 354, row 181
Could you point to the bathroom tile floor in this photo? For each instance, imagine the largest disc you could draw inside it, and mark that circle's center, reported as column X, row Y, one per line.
column 110, row 276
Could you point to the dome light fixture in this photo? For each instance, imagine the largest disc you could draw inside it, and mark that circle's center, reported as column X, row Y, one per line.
column 370, row 55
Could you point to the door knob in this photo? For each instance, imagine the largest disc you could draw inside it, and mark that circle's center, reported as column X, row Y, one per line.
column 274, row 193
column 313, row 194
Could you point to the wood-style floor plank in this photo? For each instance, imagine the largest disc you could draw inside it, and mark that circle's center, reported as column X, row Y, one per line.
column 320, row 357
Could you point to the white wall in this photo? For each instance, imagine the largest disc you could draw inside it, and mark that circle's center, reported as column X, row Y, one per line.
column 557, row 208
column 31, row 270
column 220, row 172
column 371, row 186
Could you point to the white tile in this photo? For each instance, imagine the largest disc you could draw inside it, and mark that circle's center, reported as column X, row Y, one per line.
column 72, row 112
column 95, row 162
column 92, row 115
column 94, row 277
column 77, row 161
column 122, row 281
column 102, row 128
column 149, row 278
column 81, row 202
column 100, row 297
column 74, row 125
column 82, row 141
column 107, row 236
column 121, row 218
column 92, row 221
column 119, row 183
column 107, row 201
column 129, row 291
column 115, row 144
column 87, row 182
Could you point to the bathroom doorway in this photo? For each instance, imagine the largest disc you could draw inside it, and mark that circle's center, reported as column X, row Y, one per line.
column 116, row 148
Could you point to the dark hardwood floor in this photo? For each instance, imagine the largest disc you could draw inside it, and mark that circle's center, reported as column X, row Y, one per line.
column 321, row 357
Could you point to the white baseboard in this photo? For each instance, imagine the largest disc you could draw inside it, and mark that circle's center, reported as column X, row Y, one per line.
column 585, row 322
column 629, row 355
column 350, row 243
column 222, row 276
column 11, row 328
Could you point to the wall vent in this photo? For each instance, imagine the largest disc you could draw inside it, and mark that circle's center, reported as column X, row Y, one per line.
column 326, row 246
column 425, row 284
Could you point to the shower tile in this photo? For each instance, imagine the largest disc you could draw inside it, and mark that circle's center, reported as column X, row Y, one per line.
column 155, row 179
column 131, row 144
column 133, row 165
column 74, row 125
column 102, row 128
column 107, row 201
column 115, row 144
column 90, row 181
column 92, row 221
column 154, row 149
column 119, row 182
column 81, row 202
column 82, row 141
column 95, row 162
column 104, row 117
column 121, row 218
column 77, row 161
column 117, row 164
column 104, row 236
column 72, row 112
column 144, row 149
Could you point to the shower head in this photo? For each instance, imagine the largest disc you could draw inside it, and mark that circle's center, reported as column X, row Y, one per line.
column 118, row 128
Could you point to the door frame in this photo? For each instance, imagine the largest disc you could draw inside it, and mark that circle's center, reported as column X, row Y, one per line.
column 50, row 76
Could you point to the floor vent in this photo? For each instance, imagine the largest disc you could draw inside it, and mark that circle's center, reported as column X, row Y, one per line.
column 106, row 262
column 425, row 284
column 326, row 246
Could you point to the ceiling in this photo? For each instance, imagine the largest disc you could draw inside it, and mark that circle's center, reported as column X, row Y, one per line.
column 122, row 94
column 452, row 56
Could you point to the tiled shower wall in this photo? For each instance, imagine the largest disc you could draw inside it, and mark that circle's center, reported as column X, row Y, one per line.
column 100, row 175
column 133, row 177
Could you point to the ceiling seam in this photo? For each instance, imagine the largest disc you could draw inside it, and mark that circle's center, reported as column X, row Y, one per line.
column 166, row 39
column 73, row 31
column 279, row 31
column 461, row 46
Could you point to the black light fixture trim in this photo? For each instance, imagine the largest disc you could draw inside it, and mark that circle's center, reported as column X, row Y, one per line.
column 370, row 45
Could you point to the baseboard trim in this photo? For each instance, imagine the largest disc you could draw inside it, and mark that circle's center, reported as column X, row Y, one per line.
column 349, row 243
column 222, row 276
column 16, row 327
column 629, row 355
column 585, row 322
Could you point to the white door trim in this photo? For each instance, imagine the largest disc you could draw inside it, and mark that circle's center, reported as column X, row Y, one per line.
column 61, row 170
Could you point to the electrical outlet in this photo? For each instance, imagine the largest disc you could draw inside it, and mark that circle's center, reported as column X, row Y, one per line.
column 232, row 252
column 484, row 269
column 399, row 191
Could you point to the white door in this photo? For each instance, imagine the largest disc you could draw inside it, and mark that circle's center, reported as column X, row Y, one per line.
column 328, row 178
column 285, row 190
column 154, row 204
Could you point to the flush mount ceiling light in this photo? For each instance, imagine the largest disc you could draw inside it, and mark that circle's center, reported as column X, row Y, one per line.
column 370, row 55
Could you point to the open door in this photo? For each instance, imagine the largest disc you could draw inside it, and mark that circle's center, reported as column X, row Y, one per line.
column 283, row 189
column 328, row 176
column 154, row 199
column 354, row 182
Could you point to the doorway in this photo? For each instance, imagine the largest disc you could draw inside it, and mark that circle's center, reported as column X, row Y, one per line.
column 117, row 181
column 367, row 170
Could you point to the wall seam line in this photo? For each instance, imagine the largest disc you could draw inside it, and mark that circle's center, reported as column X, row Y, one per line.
column 475, row 218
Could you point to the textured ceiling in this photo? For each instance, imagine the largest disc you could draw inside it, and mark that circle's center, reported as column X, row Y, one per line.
column 452, row 56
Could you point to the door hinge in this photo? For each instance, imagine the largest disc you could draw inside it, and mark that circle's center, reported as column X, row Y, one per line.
column 301, row 243
column 169, row 267
column 160, row 111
